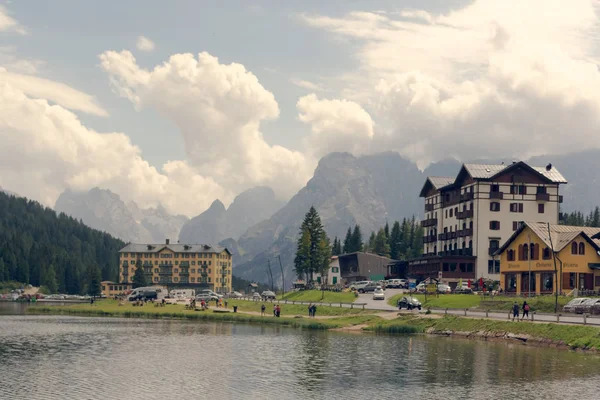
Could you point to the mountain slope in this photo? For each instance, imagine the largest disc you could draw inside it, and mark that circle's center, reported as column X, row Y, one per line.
column 32, row 238
column 104, row 210
column 217, row 223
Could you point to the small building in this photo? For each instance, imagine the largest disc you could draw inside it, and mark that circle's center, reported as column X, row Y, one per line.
column 397, row 269
column 557, row 257
column 252, row 287
column 110, row 289
column 333, row 274
column 361, row 266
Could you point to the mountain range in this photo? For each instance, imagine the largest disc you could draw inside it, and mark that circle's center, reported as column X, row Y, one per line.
column 346, row 190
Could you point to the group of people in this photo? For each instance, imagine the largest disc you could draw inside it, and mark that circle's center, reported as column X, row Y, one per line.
column 524, row 308
column 312, row 310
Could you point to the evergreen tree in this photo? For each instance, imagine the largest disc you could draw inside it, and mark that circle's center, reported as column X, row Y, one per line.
column 310, row 251
column 348, row 242
column 325, row 260
column 302, row 259
column 371, row 243
column 49, row 279
column 336, row 250
column 357, row 240
column 386, row 230
column 394, row 241
column 94, row 280
column 139, row 278
column 595, row 222
column 381, row 245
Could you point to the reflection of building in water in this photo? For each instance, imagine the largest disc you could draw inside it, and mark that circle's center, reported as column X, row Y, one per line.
column 531, row 249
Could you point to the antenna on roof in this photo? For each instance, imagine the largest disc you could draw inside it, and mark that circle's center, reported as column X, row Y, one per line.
column 548, row 167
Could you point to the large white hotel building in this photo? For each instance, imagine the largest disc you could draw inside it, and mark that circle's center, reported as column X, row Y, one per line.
column 468, row 217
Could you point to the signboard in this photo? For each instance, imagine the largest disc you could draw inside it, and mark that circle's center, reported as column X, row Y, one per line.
column 412, row 285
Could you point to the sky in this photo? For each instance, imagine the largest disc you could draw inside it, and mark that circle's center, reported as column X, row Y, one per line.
column 181, row 103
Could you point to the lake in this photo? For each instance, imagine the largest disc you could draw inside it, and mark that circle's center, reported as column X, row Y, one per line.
column 63, row 357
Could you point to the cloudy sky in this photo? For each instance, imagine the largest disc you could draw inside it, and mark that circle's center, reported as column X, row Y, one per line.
column 179, row 103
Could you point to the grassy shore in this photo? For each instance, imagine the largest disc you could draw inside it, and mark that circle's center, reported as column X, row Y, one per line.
column 339, row 317
column 574, row 337
column 320, row 297
column 498, row 303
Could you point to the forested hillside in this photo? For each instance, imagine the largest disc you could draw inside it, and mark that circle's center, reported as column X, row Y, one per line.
column 39, row 247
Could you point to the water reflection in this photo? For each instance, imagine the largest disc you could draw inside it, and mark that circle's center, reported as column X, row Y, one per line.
column 101, row 358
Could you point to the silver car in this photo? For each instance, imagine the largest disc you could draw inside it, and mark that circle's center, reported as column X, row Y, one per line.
column 570, row 306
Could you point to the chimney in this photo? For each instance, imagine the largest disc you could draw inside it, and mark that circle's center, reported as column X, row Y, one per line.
column 167, row 242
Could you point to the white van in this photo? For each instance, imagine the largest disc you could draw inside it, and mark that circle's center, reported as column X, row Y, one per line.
column 182, row 293
column 148, row 293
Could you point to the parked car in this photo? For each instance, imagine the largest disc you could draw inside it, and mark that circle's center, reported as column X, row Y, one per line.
column 369, row 287
column 421, row 288
column 207, row 297
column 379, row 293
column 464, row 289
column 586, row 306
column 570, row 306
column 268, row 295
column 210, row 292
column 409, row 303
column 443, row 288
column 359, row 285
column 256, row 296
column 235, row 295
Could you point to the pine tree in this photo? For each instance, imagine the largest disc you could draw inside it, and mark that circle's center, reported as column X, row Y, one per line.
column 49, row 279
column 394, row 241
column 386, row 230
column 94, row 279
column 380, row 244
column 596, row 218
column 336, row 249
column 139, row 278
column 325, row 260
column 357, row 240
column 309, row 252
column 348, row 242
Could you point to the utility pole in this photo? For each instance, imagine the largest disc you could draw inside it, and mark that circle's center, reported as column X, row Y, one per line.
column 282, row 276
column 529, row 258
column 270, row 273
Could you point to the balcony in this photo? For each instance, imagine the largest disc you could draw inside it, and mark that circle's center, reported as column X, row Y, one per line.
column 428, row 207
column 497, row 195
column 429, row 222
column 442, row 236
column 466, row 196
column 464, row 214
column 542, row 197
column 429, row 239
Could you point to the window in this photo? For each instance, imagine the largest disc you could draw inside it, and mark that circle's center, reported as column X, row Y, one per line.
column 494, row 188
column 175, row 279
column 155, row 262
column 541, row 190
column 547, row 282
column 176, row 270
column 546, row 253
column 534, row 250
column 176, row 255
column 451, row 212
column 132, row 262
column 574, row 249
column 208, row 280
column 156, row 270
column 510, row 255
column 494, row 206
column 581, row 248
column 525, row 252
column 192, row 280
column 193, row 262
column 193, row 271
column 516, row 207
column 176, row 262
column 515, row 225
column 495, row 225
column 156, row 279
column 518, row 189
column 446, row 213
column 493, row 266
column 540, row 208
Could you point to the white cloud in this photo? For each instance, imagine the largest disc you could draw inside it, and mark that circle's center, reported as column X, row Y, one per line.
column 9, row 24
column 218, row 109
column 144, row 44
column 507, row 77
column 313, row 87
column 46, row 149
column 57, row 92
column 336, row 125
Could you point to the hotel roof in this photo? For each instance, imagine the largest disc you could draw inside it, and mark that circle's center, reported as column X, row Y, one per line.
column 176, row 248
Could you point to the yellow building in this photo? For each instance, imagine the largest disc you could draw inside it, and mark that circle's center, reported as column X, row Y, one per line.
column 559, row 257
column 110, row 289
column 178, row 265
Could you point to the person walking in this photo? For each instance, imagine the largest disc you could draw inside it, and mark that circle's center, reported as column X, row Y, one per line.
column 515, row 311
column 310, row 310
column 525, row 311
column 314, row 310
column 262, row 310
column 274, row 310
column 278, row 310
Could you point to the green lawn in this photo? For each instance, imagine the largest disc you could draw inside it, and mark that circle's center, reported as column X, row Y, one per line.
column 293, row 309
column 498, row 303
column 574, row 336
column 315, row 295
column 111, row 308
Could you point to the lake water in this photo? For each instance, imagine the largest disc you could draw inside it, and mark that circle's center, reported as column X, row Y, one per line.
column 62, row 357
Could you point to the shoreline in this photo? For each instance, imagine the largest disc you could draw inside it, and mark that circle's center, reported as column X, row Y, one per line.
column 568, row 337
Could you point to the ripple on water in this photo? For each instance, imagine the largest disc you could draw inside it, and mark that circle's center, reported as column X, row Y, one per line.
column 45, row 357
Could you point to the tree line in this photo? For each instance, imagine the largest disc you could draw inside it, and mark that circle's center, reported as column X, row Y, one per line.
column 404, row 240
column 41, row 248
column 577, row 218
